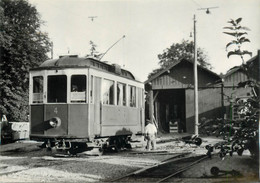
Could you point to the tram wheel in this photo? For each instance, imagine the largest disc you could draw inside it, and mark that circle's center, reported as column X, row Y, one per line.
column 77, row 148
column 48, row 149
column 128, row 146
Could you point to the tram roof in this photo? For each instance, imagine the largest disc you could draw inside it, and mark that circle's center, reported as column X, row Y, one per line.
column 73, row 61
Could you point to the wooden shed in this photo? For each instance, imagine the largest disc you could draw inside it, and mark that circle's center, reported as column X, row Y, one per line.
column 171, row 96
column 236, row 75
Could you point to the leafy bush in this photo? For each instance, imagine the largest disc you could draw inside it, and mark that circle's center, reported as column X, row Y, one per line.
column 239, row 134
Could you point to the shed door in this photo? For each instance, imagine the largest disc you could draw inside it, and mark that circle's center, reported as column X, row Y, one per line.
column 97, row 103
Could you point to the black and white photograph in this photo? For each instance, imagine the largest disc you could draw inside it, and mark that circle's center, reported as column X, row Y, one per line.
column 129, row 91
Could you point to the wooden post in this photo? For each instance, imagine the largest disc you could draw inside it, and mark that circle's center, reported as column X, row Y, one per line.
column 196, row 110
column 222, row 99
column 151, row 105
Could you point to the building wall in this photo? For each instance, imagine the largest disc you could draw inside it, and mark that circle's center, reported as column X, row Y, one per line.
column 254, row 69
column 210, row 106
column 234, row 78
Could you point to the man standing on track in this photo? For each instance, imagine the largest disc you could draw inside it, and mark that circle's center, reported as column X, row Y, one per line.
column 150, row 135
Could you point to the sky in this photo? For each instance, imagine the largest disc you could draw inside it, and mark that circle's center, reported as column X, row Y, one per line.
column 149, row 27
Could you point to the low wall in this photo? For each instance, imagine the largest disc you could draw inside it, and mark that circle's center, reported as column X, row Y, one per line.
column 21, row 130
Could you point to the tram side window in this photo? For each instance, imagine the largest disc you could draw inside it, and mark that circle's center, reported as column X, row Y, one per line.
column 132, row 96
column 140, row 97
column 91, row 89
column 108, row 92
column 57, row 89
column 121, row 94
column 78, row 88
column 37, row 89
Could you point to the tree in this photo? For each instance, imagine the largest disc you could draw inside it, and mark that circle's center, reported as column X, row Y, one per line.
column 177, row 51
column 93, row 51
column 22, row 46
column 238, row 32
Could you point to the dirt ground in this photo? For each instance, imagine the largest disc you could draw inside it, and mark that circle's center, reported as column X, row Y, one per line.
column 24, row 161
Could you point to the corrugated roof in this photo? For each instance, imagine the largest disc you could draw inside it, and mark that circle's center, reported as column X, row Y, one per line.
column 176, row 63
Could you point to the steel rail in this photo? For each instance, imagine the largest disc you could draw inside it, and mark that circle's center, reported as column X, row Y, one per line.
column 172, row 159
column 183, row 169
column 15, row 171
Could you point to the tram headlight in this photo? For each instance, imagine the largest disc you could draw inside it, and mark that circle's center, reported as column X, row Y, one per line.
column 55, row 122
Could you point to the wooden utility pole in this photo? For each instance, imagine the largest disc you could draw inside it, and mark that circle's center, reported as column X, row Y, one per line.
column 196, row 106
column 151, row 105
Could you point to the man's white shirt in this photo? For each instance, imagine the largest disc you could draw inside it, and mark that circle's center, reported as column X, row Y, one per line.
column 150, row 129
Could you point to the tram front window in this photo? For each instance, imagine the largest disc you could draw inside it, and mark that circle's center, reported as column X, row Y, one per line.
column 37, row 89
column 78, row 88
column 57, row 89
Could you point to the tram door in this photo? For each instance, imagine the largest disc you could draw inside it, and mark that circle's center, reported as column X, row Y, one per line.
column 97, row 105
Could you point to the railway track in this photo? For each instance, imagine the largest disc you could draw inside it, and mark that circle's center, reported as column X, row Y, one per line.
column 183, row 169
column 163, row 171
column 14, row 171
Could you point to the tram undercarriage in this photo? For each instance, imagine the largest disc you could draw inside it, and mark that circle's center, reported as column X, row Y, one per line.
column 75, row 146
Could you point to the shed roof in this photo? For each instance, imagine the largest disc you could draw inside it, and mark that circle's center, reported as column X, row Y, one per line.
column 237, row 68
column 176, row 63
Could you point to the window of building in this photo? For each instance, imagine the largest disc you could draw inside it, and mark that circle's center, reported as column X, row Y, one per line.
column 57, row 89
column 121, row 94
column 108, row 92
column 37, row 89
column 78, row 88
column 132, row 96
